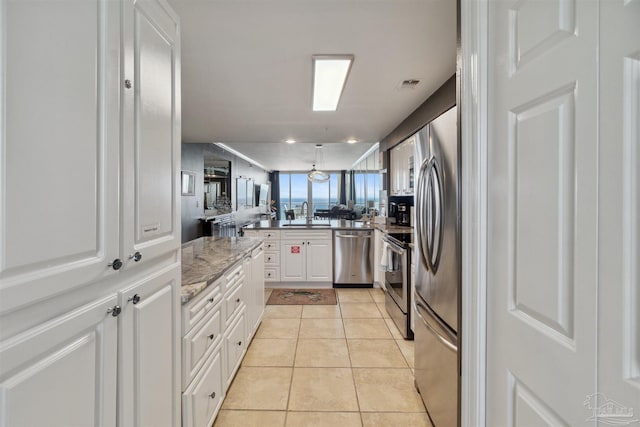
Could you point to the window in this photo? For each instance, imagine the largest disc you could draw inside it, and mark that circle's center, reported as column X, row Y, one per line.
column 295, row 189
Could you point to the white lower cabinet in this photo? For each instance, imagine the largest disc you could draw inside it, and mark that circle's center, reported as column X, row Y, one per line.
column 235, row 345
column 149, row 343
column 62, row 372
column 203, row 398
column 306, row 256
column 218, row 325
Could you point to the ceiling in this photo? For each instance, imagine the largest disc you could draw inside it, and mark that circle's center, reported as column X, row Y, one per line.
column 246, row 72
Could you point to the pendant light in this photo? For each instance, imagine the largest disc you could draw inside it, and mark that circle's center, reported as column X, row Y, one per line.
column 317, row 175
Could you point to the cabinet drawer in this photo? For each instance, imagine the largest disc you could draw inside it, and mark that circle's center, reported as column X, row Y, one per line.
column 196, row 309
column 271, row 274
column 252, row 233
column 271, row 258
column 272, row 245
column 270, row 234
column 235, row 346
column 198, row 342
column 234, row 301
column 201, row 401
column 234, row 276
column 307, row 234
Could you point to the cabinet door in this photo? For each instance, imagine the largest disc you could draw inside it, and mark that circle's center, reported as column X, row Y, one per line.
column 63, row 372
column 293, row 261
column 319, row 261
column 59, row 116
column 151, row 149
column 235, row 345
column 203, row 398
column 149, row 372
column 257, row 289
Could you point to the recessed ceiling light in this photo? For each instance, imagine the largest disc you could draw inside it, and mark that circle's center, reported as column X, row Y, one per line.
column 290, row 141
column 329, row 76
column 351, row 141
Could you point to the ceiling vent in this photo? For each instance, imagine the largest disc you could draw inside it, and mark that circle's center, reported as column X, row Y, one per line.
column 409, row 84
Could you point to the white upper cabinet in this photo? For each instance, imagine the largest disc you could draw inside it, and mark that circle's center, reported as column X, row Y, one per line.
column 401, row 165
column 59, row 146
column 91, row 142
column 151, row 149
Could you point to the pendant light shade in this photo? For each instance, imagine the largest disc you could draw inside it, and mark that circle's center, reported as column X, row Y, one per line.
column 317, row 175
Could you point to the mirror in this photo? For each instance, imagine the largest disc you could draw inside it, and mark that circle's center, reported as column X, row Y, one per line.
column 244, row 193
column 217, row 184
column 188, row 183
column 262, row 192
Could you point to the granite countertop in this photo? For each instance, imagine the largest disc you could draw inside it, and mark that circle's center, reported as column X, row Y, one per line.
column 205, row 259
column 323, row 224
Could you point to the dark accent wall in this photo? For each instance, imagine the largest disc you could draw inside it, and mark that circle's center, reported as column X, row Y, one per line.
column 193, row 206
column 439, row 102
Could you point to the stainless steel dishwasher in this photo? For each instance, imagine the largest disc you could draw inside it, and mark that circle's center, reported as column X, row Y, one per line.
column 352, row 258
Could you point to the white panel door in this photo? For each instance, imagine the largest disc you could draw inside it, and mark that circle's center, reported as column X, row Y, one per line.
column 151, row 153
column 59, row 116
column 319, row 261
column 63, row 372
column 619, row 214
column 150, row 351
column 542, row 206
column 293, row 260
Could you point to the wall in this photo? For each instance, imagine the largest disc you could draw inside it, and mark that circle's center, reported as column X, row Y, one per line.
column 193, row 207
column 439, row 102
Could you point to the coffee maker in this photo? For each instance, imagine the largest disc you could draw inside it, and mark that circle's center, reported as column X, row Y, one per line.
column 403, row 217
column 400, row 210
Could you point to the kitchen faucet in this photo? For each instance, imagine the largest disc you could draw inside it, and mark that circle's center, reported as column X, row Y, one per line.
column 302, row 211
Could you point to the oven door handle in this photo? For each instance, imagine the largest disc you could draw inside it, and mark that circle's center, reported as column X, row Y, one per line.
column 394, row 247
column 449, row 342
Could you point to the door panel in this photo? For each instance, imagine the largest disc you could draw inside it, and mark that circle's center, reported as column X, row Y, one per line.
column 150, row 344
column 59, row 146
column 542, row 205
column 293, row 260
column 152, row 148
column 319, row 261
column 79, row 352
column 619, row 209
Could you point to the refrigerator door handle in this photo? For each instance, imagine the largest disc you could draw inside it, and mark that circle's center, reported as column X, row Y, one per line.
column 436, row 246
column 449, row 342
column 422, row 213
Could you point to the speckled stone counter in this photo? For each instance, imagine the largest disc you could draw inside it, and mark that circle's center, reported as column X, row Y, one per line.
column 205, row 259
column 334, row 224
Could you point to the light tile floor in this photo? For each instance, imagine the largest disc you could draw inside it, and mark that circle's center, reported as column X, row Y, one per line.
column 323, row 366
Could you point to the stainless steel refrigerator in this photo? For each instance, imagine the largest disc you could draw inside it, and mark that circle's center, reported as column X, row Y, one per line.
column 438, row 268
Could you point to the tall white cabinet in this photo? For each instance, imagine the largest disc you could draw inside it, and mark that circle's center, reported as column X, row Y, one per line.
column 89, row 260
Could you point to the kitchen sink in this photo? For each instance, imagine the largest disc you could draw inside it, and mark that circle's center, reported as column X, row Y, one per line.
column 306, row 225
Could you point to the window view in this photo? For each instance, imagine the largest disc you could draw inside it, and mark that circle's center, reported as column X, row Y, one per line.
column 362, row 187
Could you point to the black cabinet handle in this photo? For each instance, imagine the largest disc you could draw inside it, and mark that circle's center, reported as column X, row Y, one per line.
column 239, row 342
column 116, row 264
column 136, row 257
column 211, row 336
column 134, row 299
column 213, row 395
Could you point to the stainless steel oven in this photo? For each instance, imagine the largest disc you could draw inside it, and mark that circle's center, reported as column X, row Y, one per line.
column 397, row 280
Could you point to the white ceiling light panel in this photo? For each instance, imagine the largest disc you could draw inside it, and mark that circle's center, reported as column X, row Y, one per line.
column 329, row 77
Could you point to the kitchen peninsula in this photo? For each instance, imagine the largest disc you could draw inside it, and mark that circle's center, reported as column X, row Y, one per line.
column 222, row 305
column 300, row 253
